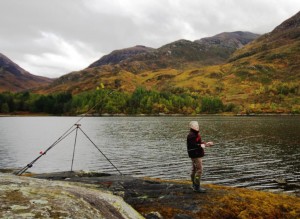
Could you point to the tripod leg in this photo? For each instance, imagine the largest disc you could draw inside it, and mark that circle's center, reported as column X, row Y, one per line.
column 74, row 148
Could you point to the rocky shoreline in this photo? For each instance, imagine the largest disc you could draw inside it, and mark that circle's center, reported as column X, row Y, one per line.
column 98, row 195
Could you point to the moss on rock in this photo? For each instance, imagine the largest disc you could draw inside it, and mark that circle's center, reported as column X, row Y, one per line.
column 23, row 197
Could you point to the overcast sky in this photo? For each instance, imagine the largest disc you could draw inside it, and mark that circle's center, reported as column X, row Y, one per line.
column 54, row 37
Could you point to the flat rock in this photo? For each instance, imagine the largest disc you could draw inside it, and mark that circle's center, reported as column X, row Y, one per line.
column 24, row 197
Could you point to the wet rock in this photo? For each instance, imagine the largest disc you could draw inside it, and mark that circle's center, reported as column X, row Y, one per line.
column 182, row 216
column 154, row 215
column 23, row 197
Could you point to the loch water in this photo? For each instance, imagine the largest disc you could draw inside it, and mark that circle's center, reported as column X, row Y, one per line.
column 252, row 152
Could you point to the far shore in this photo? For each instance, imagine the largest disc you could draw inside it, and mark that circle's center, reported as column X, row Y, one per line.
column 27, row 114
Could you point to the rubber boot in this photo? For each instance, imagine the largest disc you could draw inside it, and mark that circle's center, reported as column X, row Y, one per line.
column 193, row 182
column 196, row 186
column 200, row 189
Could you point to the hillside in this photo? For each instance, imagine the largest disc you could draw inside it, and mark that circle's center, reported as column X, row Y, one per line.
column 259, row 76
column 268, row 69
column 14, row 78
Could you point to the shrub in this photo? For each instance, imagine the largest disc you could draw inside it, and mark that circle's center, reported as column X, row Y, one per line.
column 211, row 105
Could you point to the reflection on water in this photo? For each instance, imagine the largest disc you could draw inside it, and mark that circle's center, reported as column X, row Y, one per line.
column 250, row 151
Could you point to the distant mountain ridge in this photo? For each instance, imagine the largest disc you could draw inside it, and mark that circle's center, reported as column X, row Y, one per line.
column 180, row 55
column 227, row 42
column 137, row 59
column 235, row 39
column 14, row 78
column 117, row 56
column 210, row 50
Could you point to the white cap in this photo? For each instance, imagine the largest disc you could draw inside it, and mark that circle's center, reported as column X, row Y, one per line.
column 194, row 125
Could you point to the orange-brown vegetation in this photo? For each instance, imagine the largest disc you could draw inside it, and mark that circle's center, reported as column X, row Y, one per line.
column 228, row 202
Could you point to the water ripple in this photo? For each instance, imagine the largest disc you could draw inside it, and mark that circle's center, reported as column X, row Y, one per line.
column 252, row 151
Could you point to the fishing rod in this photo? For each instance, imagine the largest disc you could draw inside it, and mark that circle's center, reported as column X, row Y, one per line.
column 233, row 140
column 25, row 168
column 226, row 142
column 68, row 132
column 63, row 136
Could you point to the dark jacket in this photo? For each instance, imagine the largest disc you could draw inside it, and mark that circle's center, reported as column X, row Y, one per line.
column 194, row 144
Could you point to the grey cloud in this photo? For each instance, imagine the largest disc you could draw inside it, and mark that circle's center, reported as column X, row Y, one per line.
column 91, row 28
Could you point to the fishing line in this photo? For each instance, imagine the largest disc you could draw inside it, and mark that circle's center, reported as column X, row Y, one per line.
column 128, row 189
column 100, row 151
column 239, row 139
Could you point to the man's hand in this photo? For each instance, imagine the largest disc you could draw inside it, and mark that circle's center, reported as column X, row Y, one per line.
column 209, row 144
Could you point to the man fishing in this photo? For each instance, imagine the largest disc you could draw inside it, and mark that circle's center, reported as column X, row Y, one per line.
column 195, row 148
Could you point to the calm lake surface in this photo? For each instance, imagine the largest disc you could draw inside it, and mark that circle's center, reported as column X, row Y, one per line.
column 250, row 151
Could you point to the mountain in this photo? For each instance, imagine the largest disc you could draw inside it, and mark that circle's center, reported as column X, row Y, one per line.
column 226, row 43
column 285, row 35
column 206, row 51
column 179, row 54
column 140, row 65
column 273, row 56
column 235, row 39
column 265, row 74
column 14, row 78
column 117, row 56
